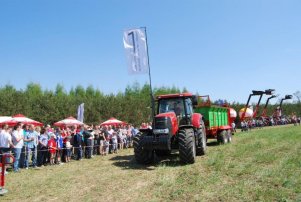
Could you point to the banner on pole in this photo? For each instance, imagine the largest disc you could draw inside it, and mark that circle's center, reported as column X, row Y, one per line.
column 80, row 112
column 134, row 41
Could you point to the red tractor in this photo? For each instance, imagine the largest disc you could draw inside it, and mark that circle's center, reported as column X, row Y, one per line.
column 175, row 127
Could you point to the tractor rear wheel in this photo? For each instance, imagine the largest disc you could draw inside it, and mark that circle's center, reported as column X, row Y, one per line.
column 222, row 137
column 187, row 147
column 202, row 141
column 141, row 155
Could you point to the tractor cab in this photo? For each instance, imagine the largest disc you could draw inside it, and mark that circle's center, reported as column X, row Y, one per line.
column 180, row 104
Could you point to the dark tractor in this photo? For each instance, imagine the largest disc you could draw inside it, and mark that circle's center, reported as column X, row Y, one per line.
column 175, row 127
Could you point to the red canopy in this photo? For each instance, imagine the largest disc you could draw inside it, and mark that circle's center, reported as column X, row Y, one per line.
column 5, row 118
column 112, row 122
column 21, row 118
column 70, row 121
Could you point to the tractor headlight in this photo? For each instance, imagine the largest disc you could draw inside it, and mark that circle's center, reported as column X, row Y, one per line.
column 161, row 131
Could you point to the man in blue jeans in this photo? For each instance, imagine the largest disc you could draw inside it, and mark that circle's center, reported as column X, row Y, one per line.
column 77, row 142
column 32, row 141
column 17, row 139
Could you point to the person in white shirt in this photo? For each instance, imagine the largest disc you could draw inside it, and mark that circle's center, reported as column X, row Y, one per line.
column 114, row 142
column 17, row 139
column 120, row 138
column 233, row 127
column 5, row 142
column 110, row 135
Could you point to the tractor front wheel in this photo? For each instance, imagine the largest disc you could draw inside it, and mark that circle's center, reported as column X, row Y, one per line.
column 187, row 147
column 202, row 141
column 141, row 155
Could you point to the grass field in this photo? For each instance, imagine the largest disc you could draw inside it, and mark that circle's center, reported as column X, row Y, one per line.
column 262, row 165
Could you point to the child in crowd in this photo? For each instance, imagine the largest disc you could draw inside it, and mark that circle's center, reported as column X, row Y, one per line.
column 106, row 147
column 52, row 148
column 106, row 141
column 114, row 142
column 68, row 149
column 120, row 139
column 59, row 146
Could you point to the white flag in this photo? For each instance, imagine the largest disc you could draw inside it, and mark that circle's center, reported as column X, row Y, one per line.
column 134, row 41
column 80, row 112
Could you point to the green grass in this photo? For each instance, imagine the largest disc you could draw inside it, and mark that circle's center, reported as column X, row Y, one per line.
column 262, row 165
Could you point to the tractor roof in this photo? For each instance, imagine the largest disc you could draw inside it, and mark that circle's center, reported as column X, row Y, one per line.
column 176, row 95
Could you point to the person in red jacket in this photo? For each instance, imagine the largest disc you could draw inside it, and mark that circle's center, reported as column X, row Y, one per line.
column 52, row 148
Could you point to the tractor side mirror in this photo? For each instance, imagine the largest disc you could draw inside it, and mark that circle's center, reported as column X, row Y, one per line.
column 194, row 100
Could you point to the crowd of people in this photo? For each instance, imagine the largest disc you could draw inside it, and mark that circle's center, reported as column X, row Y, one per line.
column 248, row 124
column 33, row 146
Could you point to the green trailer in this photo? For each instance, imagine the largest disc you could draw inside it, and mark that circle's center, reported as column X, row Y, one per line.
column 216, row 119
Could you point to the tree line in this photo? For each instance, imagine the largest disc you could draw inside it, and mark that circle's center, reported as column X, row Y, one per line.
column 133, row 105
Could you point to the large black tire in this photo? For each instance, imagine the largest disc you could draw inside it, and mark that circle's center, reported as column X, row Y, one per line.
column 202, row 141
column 229, row 136
column 142, row 156
column 187, row 147
column 222, row 137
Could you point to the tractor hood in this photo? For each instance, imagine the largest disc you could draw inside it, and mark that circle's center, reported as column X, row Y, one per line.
column 173, row 119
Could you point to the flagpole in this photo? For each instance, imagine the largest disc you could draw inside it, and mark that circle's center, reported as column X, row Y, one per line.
column 150, row 78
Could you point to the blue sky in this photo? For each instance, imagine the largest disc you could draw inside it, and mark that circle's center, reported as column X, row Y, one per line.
column 224, row 48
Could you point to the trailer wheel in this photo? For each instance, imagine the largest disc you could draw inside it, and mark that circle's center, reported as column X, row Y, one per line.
column 187, row 147
column 229, row 136
column 222, row 137
column 141, row 155
column 202, row 141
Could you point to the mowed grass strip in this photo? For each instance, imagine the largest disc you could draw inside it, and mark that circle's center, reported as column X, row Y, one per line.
column 261, row 165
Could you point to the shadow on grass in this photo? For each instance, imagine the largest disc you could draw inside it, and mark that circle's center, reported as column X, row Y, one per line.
column 129, row 162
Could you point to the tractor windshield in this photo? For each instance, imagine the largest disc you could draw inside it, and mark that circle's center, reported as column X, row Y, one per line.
column 171, row 105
